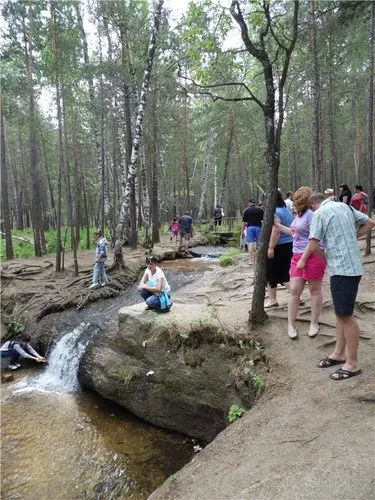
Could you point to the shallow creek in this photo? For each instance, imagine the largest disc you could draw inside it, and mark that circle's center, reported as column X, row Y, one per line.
column 64, row 443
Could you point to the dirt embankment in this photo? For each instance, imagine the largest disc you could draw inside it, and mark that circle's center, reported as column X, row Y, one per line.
column 308, row 436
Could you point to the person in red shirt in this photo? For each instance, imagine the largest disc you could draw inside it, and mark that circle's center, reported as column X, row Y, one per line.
column 359, row 199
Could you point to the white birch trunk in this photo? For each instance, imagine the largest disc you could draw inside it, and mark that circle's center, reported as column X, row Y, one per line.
column 125, row 208
column 145, row 200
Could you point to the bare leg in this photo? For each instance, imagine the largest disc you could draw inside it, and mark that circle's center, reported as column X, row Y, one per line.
column 296, row 288
column 316, row 300
column 271, row 296
column 347, row 331
column 251, row 250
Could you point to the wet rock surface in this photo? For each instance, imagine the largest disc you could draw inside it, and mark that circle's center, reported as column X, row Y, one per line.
column 181, row 371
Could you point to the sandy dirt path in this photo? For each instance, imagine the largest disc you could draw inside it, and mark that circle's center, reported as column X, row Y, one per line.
column 308, row 437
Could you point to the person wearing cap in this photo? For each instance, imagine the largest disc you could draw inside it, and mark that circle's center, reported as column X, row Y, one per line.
column 100, row 259
column 329, row 193
column 251, row 226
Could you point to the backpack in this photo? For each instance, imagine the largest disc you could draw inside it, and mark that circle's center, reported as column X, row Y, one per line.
column 217, row 213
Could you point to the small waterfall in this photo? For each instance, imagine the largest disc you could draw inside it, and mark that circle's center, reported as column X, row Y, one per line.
column 63, row 361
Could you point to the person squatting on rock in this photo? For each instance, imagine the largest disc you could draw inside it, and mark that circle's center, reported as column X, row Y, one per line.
column 337, row 226
column 15, row 348
column 279, row 252
column 154, row 287
column 312, row 273
column 100, row 259
column 252, row 218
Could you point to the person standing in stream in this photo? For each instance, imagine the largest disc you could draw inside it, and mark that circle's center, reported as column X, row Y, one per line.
column 100, row 259
column 337, row 226
column 251, row 226
column 185, row 225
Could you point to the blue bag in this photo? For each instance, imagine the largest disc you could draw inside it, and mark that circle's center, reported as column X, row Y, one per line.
column 165, row 300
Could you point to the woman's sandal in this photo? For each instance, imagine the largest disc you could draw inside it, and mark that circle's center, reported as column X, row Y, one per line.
column 268, row 305
column 342, row 374
column 328, row 362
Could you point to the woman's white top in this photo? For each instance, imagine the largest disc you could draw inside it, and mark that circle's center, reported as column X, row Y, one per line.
column 158, row 275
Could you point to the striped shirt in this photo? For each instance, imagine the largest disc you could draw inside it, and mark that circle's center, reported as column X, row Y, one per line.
column 335, row 225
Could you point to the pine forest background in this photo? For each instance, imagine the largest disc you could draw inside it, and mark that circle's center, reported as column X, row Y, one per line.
column 71, row 80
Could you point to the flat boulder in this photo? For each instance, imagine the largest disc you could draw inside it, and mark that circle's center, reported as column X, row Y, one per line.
column 181, row 371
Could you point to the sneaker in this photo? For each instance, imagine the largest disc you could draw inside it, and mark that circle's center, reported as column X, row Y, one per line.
column 314, row 330
column 270, row 304
column 292, row 333
column 94, row 285
column 14, row 367
column 103, row 284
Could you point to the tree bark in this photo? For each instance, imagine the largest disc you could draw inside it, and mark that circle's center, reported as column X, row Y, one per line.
column 317, row 156
column 202, row 212
column 146, row 200
column 125, row 209
column 371, row 125
column 4, row 194
column 227, row 158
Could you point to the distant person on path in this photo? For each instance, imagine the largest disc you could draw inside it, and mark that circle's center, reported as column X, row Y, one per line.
column 289, row 202
column 360, row 199
column 314, row 269
column 279, row 252
column 100, row 259
column 218, row 215
column 251, row 226
column 174, row 228
column 154, row 285
column 337, row 226
column 15, row 348
column 345, row 195
column 185, row 224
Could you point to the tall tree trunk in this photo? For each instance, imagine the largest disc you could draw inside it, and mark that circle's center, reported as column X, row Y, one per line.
column 59, row 266
column 202, row 212
column 227, row 158
column 145, row 199
column 185, row 157
column 317, row 155
column 125, row 209
column 4, row 194
column 371, row 124
column 36, row 208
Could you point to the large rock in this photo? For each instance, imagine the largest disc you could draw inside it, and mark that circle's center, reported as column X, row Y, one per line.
column 181, row 371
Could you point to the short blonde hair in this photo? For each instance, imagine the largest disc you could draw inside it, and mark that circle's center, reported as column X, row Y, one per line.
column 301, row 199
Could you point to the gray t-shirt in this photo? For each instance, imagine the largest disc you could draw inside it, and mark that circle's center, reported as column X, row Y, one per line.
column 185, row 222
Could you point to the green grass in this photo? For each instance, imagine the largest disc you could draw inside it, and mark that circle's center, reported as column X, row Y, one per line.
column 22, row 249
column 229, row 258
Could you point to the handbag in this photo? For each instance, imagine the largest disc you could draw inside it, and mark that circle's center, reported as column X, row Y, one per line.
column 165, row 300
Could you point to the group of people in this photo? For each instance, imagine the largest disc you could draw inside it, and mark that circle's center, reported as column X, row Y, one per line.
column 310, row 234
column 182, row 227
column 358, row 200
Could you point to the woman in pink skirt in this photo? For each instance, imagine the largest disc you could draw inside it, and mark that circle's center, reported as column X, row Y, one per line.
column 312, row 273
column 174, row 228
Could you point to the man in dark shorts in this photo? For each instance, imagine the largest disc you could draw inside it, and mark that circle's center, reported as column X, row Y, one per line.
column 185, row 225
column 251, row 225
column 337, row 226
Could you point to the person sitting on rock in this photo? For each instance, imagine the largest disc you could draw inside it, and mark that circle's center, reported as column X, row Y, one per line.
column 154, row 287
column 15, row 348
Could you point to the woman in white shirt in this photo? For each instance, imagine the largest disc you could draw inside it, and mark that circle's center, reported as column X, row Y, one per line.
column 153, row 284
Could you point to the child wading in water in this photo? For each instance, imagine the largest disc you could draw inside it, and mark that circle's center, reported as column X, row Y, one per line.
column 174, row 228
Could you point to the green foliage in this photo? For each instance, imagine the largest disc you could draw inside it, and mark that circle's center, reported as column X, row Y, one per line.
column 235, row 412
column 23, row 249
column 16, row 327
column 124, row 376
column 257, row 380
column 229, row 258
column 172, row 479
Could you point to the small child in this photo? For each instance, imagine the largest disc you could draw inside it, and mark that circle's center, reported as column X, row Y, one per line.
column 174, row 228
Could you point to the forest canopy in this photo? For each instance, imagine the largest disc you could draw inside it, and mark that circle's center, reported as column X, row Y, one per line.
column 72, row 79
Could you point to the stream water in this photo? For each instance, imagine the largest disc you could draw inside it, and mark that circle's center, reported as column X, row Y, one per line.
column 64, row 443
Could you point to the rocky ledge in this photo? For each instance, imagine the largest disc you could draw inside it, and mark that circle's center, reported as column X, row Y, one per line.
column 181, row 371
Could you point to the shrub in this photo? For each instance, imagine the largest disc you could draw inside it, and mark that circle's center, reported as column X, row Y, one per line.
column 229, row 258
column 235, row 412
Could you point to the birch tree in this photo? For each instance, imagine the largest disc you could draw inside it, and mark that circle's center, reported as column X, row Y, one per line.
column 127, row 188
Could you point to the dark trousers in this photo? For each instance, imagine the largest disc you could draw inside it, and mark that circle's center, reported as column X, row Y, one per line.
column 12, row 354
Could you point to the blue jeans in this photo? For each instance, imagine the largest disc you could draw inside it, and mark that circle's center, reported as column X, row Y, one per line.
column 99, row 273
column 12, row 354
column 150, row 298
